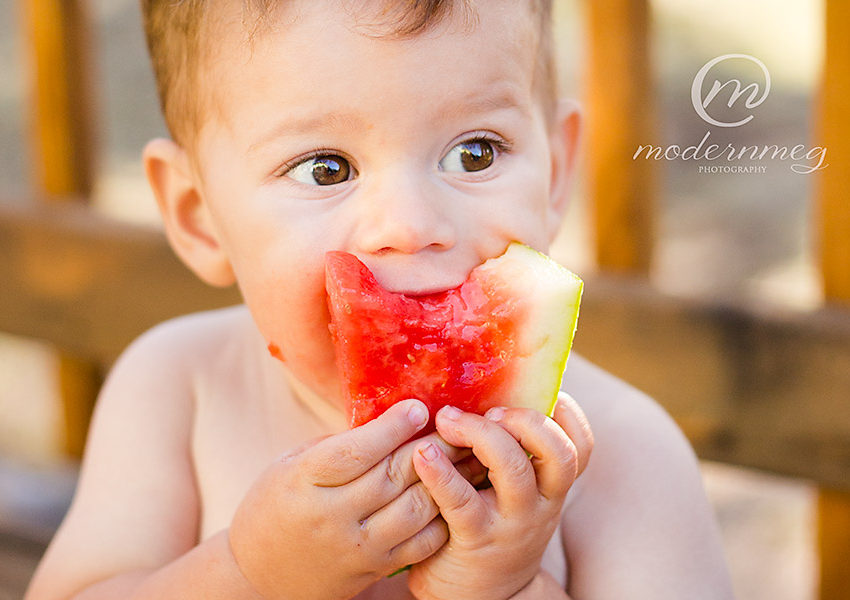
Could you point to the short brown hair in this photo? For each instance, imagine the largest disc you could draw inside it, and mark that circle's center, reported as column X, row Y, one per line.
column 175, row 31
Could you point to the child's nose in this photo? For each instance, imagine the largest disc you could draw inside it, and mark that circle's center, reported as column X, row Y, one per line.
column 404, row 213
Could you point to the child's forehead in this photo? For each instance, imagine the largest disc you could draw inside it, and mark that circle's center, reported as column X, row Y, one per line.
column 338, row 57
column 244, row 35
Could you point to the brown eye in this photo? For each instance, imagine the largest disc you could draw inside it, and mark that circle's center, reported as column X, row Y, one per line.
column 468, row 156
column 328, row 169
column 475, row 156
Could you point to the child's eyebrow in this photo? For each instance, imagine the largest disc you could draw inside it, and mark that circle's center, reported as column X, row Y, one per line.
column 492, row 99
column 320, row 122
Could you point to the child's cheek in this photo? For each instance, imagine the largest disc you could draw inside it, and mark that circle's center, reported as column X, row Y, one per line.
column 292, row 316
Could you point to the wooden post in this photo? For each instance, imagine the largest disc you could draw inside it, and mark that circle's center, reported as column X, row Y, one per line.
column 834, row 229
column 834, row 206
column 61, row 143
column 619, row 118
column 834, row 544
column 60, row 97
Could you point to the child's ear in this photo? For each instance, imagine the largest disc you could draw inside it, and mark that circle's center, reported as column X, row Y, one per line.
column 188, row 225
column 564, row 139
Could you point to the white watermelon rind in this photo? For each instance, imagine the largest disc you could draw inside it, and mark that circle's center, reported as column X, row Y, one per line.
column 545, row 339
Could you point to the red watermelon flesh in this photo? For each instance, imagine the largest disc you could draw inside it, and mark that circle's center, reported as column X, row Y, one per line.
column 499, row 339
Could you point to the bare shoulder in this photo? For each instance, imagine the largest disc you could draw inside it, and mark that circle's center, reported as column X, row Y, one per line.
column 189, row 341
column 160, row 371
column 619, row 413
column 136, row 505
column 639, row 523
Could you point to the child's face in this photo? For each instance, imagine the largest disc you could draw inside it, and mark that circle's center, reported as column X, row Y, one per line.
column 423, row 157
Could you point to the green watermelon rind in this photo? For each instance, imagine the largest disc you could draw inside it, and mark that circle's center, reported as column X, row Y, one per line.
column 545, row 339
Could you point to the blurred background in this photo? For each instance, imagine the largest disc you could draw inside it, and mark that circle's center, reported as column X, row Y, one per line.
column 729, row 258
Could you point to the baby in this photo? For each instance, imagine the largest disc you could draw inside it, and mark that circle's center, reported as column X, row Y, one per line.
column 423, row 137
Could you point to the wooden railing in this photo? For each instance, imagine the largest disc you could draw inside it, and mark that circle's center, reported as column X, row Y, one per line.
column 749, row 386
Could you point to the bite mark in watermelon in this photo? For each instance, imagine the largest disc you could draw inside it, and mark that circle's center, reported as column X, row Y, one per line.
column 501, row 338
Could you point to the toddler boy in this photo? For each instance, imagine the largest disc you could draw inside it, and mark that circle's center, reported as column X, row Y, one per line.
column 423, row 137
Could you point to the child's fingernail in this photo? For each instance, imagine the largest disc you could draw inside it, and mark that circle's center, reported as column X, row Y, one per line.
column 495, row 414
column 451, row 413
column 429, row 452
column 417, row 415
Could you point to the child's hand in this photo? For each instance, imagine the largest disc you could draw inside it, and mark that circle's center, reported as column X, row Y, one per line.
column 497, row 536
column 332, row 518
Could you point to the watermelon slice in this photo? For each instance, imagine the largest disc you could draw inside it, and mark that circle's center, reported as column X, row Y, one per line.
column 501, row 338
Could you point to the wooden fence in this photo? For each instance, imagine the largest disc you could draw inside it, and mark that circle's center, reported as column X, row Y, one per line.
column 750, row 387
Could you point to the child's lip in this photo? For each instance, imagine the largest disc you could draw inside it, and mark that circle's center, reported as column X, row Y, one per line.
column 420, row 289
column 425, row 291
column 421, row 277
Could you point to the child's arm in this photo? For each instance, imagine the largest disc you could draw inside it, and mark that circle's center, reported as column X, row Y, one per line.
column 640, row 525
column 133, row 523
column 329, row 519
